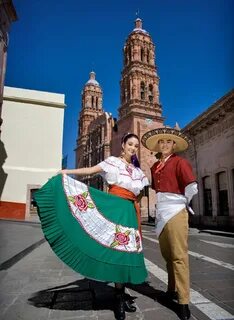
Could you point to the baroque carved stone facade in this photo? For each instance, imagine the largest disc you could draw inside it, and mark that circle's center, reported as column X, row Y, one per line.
column 212, row 157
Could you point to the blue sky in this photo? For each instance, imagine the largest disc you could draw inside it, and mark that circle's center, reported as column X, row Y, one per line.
column 56, row 43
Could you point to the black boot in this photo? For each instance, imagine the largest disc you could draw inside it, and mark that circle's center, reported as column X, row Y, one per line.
column 128, row 305
column 184, row 312
column 171, row 295
column 119, row 304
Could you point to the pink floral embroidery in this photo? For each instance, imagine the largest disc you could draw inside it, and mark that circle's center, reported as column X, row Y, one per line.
column 80, row 201
column 120, row 238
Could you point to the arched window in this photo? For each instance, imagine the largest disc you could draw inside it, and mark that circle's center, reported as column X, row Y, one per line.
column 142, row 90
column 142, row 54
column 92, row 103
column 147, row 56
column 207, row 196
column 130, row 54
column 150, row 93
column 96, row 102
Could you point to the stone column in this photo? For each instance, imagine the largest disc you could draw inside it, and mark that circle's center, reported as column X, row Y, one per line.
column 155, row 92
column 151, row 57
column 130, row 88
column 135, row 53
column 134, row 88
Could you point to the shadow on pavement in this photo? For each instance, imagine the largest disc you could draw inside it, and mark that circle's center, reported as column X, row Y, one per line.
column 82, row 294
column 88, row 294
column 3, row 174
column 157, row 295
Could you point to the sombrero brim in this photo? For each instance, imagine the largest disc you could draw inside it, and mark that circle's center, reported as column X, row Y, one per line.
column 151, row 138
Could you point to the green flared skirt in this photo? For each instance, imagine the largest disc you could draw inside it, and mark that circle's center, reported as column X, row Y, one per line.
column 93, row 232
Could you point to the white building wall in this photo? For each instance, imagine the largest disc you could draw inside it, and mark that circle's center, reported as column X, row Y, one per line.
column 32, row 134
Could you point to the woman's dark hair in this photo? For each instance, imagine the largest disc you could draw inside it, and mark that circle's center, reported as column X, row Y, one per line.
column 135, row 161
column 134, row 158
column 127, row 136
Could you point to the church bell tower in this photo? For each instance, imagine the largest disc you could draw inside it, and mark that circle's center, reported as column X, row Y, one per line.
column 91, row 108
column 139, row 82
column 140, row 109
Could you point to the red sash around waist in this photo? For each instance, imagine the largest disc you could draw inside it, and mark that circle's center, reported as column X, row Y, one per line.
column 126, row 194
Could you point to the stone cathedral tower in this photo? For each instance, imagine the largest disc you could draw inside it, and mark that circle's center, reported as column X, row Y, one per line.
column 91, row 109
column 140, row 109
column 99, row 135
column 139, row 83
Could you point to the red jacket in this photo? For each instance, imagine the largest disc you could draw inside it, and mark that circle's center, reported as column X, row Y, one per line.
column 173, row 177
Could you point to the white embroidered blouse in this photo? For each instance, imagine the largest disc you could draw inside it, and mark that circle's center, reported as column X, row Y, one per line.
column 116, row 171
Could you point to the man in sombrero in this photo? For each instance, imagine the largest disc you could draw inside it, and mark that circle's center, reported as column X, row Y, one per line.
column 175, row 185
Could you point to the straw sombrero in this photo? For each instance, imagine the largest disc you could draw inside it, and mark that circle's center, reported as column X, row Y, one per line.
column 150, row 139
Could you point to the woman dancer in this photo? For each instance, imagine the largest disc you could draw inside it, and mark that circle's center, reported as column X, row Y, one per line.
column 94, row 232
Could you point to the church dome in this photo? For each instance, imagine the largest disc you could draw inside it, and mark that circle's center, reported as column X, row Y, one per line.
column 92, row 81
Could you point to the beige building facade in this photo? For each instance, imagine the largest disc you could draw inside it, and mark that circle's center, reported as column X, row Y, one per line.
column 212, row 157
column 32, row 133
